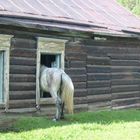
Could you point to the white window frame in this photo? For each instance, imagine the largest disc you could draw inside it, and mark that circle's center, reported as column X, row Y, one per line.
column 48, row 46
column 5, row 48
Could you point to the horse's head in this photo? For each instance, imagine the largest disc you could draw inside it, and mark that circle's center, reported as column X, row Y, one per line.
column 42, row 68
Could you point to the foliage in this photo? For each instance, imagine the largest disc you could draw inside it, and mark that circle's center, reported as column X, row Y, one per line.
column 132, row 5
column 104, row 125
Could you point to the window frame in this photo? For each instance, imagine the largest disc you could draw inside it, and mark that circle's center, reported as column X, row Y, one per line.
column 48, row 46
column 5, row 48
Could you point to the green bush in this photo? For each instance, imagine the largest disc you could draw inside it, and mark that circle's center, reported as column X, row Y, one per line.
column 132, row 5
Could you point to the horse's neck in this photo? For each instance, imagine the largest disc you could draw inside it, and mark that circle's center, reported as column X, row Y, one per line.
column 42, row 68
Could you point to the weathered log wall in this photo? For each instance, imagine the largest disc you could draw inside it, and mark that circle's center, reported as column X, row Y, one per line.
column 22, row 84
column 106, row 73
column 75, row 66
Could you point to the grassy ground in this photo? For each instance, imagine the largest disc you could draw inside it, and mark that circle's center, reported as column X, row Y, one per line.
column 111, row 125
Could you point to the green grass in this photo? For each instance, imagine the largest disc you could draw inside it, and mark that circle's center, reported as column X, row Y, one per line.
column 104, row 125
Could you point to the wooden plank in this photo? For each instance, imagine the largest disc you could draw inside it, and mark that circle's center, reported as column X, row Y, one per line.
column 22, row 103
column 22, row 86
column 95, row 91
column 28, row 53
column 125, row 101
column 125, row 62
column 17, row 95
column 78, row 78
column 98, row 69
column 99, row 106
column 22, row 61
column 125, row 75
column 122, row 95
column 22, row 78
column 22, row 110
column 98, row 76
column 80, row 85
column 80, row 107
column 80, row 100
column 115, row 82
column 125, row 56
column 98, row 84
column 127, row 106
column 75, row 56
column 99, row 98
column 77, row 64
column 126, row 69
column 92, row 60
column 76, row 71
column 80, row 92
column 18, row 42
column 17, row 69
column 124, row 88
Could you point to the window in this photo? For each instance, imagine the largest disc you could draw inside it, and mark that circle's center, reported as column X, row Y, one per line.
column 1, row 77
column 4, row 70
column 51, row 54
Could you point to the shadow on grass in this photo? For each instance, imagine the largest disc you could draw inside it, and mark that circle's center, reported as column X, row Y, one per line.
column 102, row 117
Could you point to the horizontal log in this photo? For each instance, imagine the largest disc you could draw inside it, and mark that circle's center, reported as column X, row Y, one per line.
column 96, row 91
column 21, row 95
column 22, row 86
column 74, row 46
column 79, row 85
column 98, row 76
column 115, row 82
column 30, row 53
column 80, row 92
column 22, row 78
column 77, row 64
column 125, row 62
column 124, row 88
column 24, row 43
column 137, row 105
column 99, row 106
column 78, row 78
column 76, row 56
column 22, row 61
column 91, row 60
column 46, row 111
column 47, row 101
column 98, row 84
column 125, row 56
column 126, row 69
column 17, row 69
column 98, row 69
column 125, row 101
column 125, row 75
column 80, row 100
column 99, row 98
column 120, row 42
column 80, row 107
column 22, row 103
column 75, row 71
column 22, row 110
column 125, row 95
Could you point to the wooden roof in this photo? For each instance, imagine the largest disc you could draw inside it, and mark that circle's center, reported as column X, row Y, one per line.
column 101, row 16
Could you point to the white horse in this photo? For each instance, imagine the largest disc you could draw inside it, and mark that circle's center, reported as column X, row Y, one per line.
column 60, row 86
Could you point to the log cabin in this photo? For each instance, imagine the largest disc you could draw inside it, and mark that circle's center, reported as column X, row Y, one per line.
column 96, row 42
